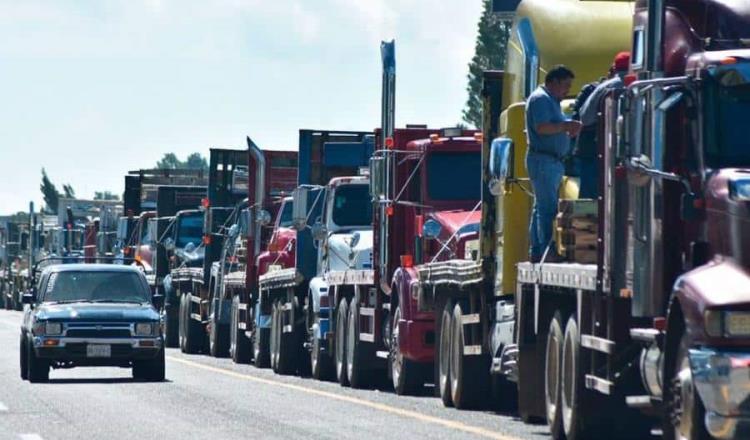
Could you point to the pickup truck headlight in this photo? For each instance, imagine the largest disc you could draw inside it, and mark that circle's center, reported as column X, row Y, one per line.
column 146, row 329
column 47, row 328
column 727, row 323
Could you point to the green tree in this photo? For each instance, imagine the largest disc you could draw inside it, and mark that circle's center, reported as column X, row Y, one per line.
column 172, row 162
column 489, row 54
column 69, row 191
column 105, row 195
column 169, row 161
column 50, row 193
column 196, row 161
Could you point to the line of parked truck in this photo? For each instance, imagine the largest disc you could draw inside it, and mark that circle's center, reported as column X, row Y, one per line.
column 400, row 254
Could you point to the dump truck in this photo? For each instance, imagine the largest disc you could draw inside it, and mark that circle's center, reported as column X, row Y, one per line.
column 278, row 306
column 205, row 310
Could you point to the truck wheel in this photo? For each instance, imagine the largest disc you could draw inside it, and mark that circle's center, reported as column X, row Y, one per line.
column 194, row 336
column 261, row 347
column 23, row 358
column 274, row 346
column 685, row 413
column 465, row 372
column 239, row 345
column 444, row 355
column 151, row 370
column 286, row 349
column 171, row 326
column 552, row 389
column 321, row 367
column 218, row 340
column 578, row 416
column 406, row 375
column 503, row 394
column 38, row 369
column 355, row 352
column 181, row 321
column 342, row 313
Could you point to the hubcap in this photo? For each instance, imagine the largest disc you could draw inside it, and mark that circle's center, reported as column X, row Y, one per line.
column 397, row 359
column 552, row 376
column 444, row 360
column 340, row 342
column 350, row 342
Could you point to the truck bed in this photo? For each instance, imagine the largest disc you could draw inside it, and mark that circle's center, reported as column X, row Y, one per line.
column 569, row 275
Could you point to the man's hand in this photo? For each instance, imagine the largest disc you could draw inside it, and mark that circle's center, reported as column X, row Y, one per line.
column 573, row 128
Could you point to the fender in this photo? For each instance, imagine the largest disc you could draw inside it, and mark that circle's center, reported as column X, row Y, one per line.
column 403, row 278
column 722, row 284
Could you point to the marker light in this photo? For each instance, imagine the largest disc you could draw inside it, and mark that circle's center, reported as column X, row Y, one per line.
column 728, row 60
column 389, row 142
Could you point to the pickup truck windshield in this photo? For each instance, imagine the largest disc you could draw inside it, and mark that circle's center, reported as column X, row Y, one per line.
column 352, row 205
column 454, row 176
column 190, row 230
column 95, row 287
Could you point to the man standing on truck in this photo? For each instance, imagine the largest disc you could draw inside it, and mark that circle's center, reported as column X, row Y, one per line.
column 589, row 112
column 548, row 134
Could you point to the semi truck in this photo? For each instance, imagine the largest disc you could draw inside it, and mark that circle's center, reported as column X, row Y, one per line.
column 278, row 306
column 204, row 308
column 13, row 244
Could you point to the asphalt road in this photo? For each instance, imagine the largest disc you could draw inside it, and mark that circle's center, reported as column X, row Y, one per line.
column 211, row 398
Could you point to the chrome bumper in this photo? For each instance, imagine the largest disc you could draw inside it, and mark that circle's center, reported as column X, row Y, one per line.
column 723, row 382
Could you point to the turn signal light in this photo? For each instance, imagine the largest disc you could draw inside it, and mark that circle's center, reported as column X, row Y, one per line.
column 407, row 261
column 389, row 211
column 728, row 60
column 206, row 239
column 205, row 203
column 51, row 342
column 389, row 142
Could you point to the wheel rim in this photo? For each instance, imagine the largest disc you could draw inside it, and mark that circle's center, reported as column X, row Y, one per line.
column 552, row 375
column 444, row 361
column 569, row 384
column 350, row 342
column 397, row 359
column 683, row 401
column 455, row 355
column 340, row 341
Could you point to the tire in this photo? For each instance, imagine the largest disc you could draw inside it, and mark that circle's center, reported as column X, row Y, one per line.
column 261, row 346
column 239, row 344
column 342, row 313
column 218, row 338
column 194, row 338
column 552, row 377
column 274, row 346
column 503, row 395
column 406, row 375
column 38, row 369
column 321, row 365
column 444, row 355
column 578, row 414
column 23, row 358
column 171, row 326
column 151, row 370
column 684, row 411
column 465, row 372
column 355, row 352
column 286, row 347
column 181, row 322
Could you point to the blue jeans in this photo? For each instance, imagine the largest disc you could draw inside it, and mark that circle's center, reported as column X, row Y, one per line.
column 545, row 173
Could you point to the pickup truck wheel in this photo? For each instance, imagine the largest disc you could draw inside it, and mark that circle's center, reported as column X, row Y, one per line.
column 552, row 389
column 38, row 369
column 23, row 347
column 355, row 352
column 239, row 345
column 342, row 313
column 465, row 371
column 153, row 370
column 444, row 355
column 406, row 375
column 578, row 413
column 171, row 326
column 685, row 413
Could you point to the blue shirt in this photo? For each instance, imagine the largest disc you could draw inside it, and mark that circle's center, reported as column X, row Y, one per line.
column 541, row 107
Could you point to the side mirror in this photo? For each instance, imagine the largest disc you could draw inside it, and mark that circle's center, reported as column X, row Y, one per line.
column 264, row 217
column 169, row 244
column 639, row 167
column 319, row 231
column 355, row 240
column 431, row 229
column 157, row 300
column 299, row 209
column 377, row 180
column 234, row 231
column 28, row 298
column 501, row 164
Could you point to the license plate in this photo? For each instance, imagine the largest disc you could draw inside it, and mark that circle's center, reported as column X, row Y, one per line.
column 98, row 350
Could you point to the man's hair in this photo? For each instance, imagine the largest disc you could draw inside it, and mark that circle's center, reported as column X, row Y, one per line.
column 558, row 73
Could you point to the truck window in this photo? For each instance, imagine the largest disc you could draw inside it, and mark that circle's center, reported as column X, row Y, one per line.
column 352, row 206
column 727, row 142
column 286, row 215
column 454, row 176
column 190, row 230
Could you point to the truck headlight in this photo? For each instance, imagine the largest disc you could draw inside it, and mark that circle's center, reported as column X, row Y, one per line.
column 53, row 328
column 713, row 323
column 146, row 329
column 720, row 323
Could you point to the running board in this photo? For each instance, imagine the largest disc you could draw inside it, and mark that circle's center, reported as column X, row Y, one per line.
column 596, row 343
column 598, row 384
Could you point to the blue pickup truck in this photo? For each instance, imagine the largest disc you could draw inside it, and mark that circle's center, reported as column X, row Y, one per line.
column 91, row 315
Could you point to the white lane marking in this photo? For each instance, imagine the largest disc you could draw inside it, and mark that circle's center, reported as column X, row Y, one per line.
column 30, row 437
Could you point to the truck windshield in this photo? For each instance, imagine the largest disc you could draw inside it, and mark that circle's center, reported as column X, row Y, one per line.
column 727, row 144
column 454, row 176
column 190, row 230
column 95, row 287
column 286, row 215
column 352, row 205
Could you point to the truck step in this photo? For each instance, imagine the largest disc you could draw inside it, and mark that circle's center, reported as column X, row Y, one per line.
column 242, row 306
column 196, row 299
column 196, row 316
column 382, row 354
column 597, row 343
column 286, row 307
column 470, row 319
column 367, row 337
column 472, row 350
column 647, row 335
column 242, row 326
column 640, row 402
column 598, row 384
column 288, row 329
column 367, row 311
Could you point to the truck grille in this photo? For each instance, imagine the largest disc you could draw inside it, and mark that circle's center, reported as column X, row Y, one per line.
column 94, row 333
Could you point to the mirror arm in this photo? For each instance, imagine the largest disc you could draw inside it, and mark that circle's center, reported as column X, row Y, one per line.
column 635, row 164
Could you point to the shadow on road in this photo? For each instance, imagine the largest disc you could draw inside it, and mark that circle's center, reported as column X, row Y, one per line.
column 97, row 381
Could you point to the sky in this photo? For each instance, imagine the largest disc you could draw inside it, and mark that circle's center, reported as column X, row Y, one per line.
column 92, row 89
